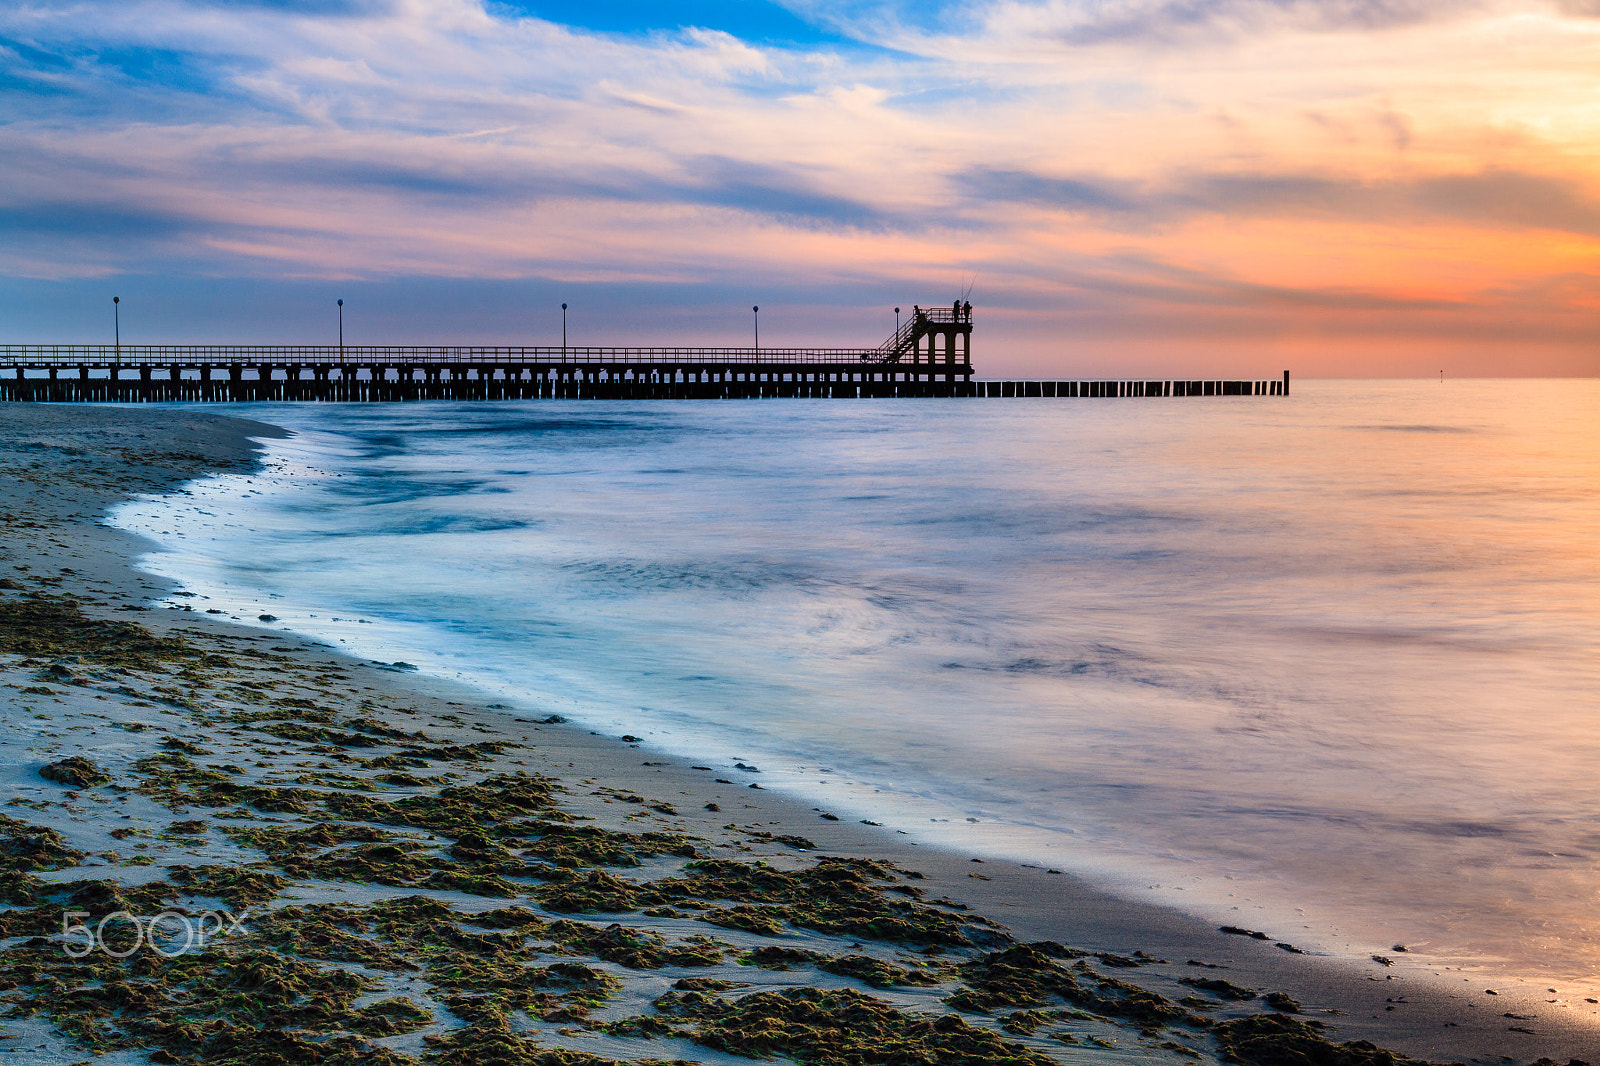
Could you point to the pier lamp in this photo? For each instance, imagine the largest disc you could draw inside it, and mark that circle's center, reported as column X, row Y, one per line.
column 563, row 331
column 897, row 322
column 116, row 322
column 341, row 331
column 755, row 312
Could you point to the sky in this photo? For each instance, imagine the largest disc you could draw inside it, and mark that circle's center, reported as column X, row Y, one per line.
column 1139, row 187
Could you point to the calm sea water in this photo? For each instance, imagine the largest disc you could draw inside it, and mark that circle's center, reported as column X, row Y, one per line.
column 1327, row 666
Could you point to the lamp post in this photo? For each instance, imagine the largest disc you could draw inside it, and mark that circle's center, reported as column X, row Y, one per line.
column 116, row 323
column 341, row 332
column 563, row 331
column 897, row 322
column 755, row 312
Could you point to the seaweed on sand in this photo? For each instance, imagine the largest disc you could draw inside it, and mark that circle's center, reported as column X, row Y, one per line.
column 634, row 948
column 391, row 864
column 243, row 1007
column 75, row 772
column 491, row 808
column 1219, row 988
column 42, row 905
column 24, row 846
column 310, row 734
column 1278, row 1040
column 178, row 782
column 586, row 845
column 484, row 977
column 843, row 897
column 328, row 932
column 239, row 886
column 877, row 973
column 281, row 844
column 1027, row 975
column 493, row 1043
column 811, row 1025
column 594, row 892
column 53, row 627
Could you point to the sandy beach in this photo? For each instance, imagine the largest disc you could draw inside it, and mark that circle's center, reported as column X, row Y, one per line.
column 352, row 862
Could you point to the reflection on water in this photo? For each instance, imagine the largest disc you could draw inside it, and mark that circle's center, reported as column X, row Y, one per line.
column 1335, row 652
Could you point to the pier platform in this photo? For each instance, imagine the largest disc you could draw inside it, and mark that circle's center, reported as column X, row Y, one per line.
column 930, row 354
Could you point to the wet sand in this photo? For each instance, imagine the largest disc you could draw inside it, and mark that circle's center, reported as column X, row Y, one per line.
column 428, row 876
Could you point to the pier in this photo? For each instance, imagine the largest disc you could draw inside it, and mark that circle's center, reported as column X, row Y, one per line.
column 929, row 355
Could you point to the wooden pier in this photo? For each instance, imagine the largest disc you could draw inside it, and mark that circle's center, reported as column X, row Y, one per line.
column 929, row 355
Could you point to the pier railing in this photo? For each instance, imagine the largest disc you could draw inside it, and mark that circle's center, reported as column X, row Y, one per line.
column 397, row 355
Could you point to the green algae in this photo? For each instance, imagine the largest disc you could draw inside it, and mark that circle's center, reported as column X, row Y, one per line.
column 1027, row 1022
column 367, row 864
column 309, row 734
column 510, row 918
column 282, row 844
column 330, row 933
column 1027, row 975
column 213, row 1006
column 485, row 977
column 843, row 897
column 174, row 780
column 24, row 846
column 379, row 729
column 1281, row 1002
column 773, row 957
column 863, row 968
column 877, row 973
column 634, row 948
column 1219, row 988
column 811, row 1025
column 75, row 772
column 239, row 886
column 480, row 751
column 54, row 627
column 764, row 921
column 492, row 807
column 495, row 1044
column 391, row 1017
column 1278, row 1040
column 594, row 892
column 585, row 845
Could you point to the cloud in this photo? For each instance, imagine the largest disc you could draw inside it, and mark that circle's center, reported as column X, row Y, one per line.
column 1375, row 157
column 1496, row 197
column 1095, row 23
column 985, row 184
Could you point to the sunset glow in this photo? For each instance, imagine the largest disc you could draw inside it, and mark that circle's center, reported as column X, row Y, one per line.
column 1387, row 187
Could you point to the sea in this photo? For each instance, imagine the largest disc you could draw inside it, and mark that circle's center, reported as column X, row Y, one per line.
column 1324, row 665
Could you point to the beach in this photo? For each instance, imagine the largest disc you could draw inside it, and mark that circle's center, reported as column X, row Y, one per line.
column 424, row 875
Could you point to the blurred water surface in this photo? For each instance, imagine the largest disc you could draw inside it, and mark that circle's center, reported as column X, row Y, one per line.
column 1327, row 664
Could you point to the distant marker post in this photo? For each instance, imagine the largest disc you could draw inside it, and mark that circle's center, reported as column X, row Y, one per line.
column 341, row 332
column 755, row 312
column 563, row 331
column 116, row 323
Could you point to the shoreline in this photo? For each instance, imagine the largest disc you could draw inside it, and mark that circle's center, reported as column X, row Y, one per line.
column 86, row 459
